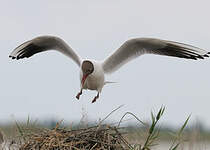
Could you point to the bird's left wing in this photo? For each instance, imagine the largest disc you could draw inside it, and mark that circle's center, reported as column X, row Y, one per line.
column 44, row 43
column 136, row 47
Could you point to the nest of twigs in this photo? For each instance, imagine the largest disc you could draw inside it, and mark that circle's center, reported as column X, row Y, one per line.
column 97, row 137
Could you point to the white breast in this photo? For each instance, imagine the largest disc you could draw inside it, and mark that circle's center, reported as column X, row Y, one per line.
column 95, row 81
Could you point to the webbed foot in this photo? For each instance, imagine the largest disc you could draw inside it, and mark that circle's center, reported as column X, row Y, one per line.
column 95, row 98
column 78, row 95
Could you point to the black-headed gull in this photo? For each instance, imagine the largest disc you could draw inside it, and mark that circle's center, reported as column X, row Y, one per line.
column 92, row 72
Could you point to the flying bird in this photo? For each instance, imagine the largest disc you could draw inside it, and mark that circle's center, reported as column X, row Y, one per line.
column 92, row 73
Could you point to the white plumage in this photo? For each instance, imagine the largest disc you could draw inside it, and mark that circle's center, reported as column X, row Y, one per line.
column 92, row 72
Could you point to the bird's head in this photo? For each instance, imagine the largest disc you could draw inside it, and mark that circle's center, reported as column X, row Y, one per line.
column 87, row 69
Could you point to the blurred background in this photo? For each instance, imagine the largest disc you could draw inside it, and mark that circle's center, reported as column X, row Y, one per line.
column 44, row 86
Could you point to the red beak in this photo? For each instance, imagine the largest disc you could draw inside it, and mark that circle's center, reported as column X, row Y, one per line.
column 84, row 78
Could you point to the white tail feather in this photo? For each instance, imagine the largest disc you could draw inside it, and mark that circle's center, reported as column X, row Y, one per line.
column 107, row 82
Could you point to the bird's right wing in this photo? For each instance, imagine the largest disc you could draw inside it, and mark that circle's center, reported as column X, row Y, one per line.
column 136, row 47
column 44, row 43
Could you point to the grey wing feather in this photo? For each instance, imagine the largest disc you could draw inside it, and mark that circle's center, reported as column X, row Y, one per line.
column 41, row 44
column 136, row 47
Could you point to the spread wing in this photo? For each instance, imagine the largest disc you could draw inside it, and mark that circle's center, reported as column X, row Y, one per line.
column 136, row 47
column 41, row 44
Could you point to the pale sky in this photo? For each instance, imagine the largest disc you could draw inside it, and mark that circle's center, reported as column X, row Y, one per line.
column 46, row 84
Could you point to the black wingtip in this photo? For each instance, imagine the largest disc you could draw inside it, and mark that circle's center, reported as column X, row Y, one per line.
column 201, row 57
column 206, row 55
column 194, row 58
column 12, row 57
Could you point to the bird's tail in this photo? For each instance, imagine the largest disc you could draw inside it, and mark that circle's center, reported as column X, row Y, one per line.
column 107, row 82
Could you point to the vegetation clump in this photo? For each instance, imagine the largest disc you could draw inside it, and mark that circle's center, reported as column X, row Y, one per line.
column 1, row 137
column 99, row 137
column 96, row 137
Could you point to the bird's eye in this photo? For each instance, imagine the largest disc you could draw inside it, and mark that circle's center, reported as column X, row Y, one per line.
column 88, row 70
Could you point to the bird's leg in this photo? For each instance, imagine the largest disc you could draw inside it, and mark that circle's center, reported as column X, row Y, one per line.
column 95, row 98
column 78, row 95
